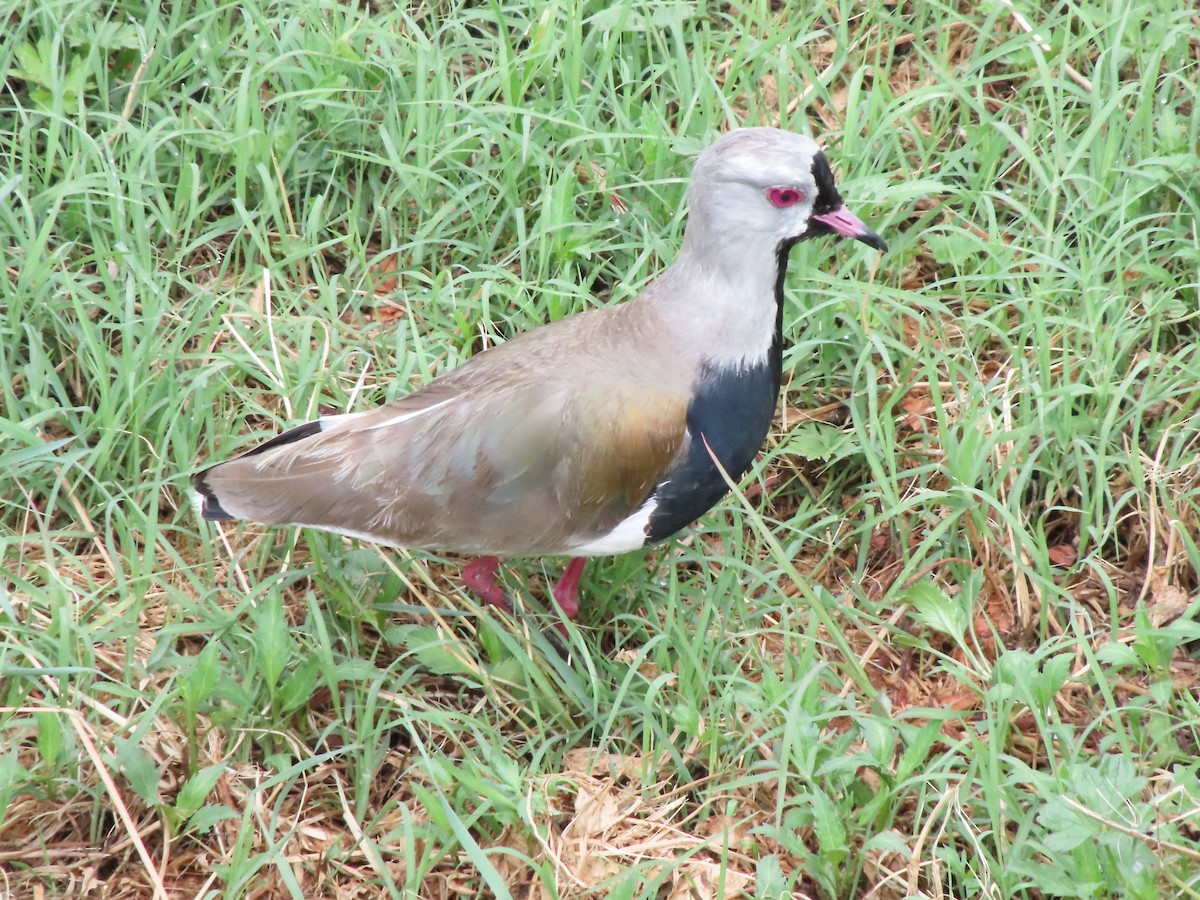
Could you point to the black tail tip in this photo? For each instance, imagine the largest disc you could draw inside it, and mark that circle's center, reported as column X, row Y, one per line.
column 206, row 500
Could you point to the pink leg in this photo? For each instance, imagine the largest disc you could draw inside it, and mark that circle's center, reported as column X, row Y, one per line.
column 480, row 576
column 566, row 592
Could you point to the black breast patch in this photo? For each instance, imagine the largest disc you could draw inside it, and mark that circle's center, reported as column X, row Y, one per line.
column 732, row 411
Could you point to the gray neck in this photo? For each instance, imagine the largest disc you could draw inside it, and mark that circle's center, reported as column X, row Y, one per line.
column 720, row 295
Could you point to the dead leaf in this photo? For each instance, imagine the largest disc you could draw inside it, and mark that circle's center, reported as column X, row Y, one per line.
column 383, row 274
column 920, row 411
column 701, row 880
column 1062, row 555
column 1166, row 602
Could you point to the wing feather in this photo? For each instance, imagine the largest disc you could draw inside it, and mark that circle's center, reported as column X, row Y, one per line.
column 527, row 471
column 507, row 455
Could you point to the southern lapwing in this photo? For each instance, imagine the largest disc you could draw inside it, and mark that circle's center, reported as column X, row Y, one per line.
column 593, row 435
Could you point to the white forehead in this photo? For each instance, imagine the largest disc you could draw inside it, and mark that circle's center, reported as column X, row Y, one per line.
column 761, row 156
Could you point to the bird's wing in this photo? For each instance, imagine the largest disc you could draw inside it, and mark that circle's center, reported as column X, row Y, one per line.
column 526, row 468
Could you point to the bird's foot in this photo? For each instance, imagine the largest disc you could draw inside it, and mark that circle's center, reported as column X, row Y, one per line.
column 566, row 592
column 479, row 575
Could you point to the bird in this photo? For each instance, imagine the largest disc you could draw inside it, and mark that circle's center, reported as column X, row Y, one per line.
column 600, row 433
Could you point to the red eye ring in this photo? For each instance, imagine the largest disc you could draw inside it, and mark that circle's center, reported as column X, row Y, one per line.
column 783, row 197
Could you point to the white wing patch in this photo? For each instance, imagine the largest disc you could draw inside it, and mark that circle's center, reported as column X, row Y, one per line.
column 629, row 535
column 332, row 422
column 405, row 416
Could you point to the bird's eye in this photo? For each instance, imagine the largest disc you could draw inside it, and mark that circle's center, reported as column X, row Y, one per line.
column 784, row 196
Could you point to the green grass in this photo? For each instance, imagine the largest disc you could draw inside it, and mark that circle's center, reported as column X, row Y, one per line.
column 946, row 642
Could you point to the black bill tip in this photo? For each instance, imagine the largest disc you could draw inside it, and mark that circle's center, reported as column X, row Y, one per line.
column 871, row 239
column 847, row 224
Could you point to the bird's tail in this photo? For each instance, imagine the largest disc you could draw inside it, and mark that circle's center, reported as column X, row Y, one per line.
column 217, row 487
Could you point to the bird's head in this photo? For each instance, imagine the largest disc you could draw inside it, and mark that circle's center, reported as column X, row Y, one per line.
column 769, row 188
